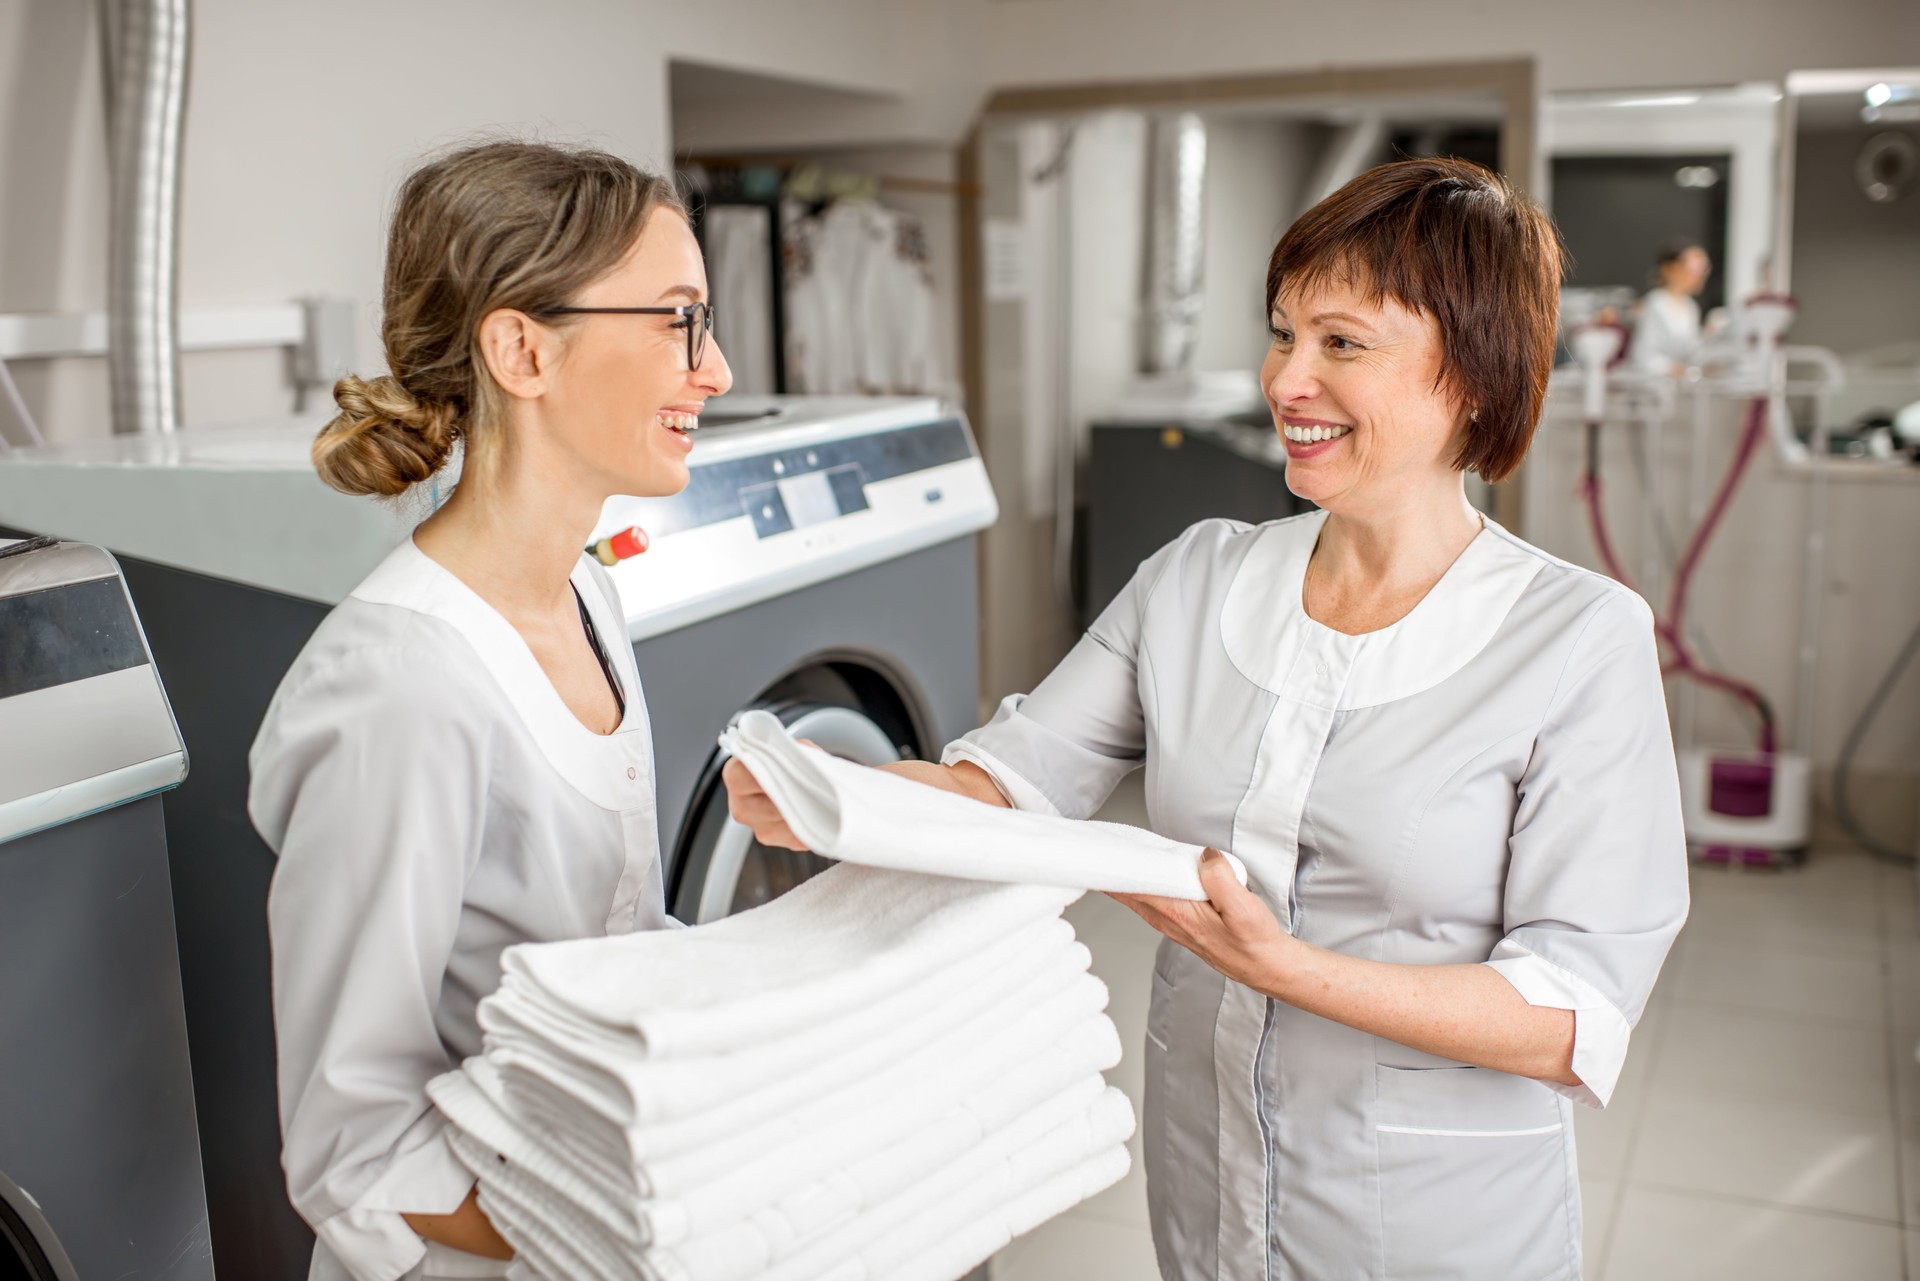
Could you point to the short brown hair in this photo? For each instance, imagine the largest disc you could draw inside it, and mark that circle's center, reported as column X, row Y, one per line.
column 1449, row 239
column 521, row 225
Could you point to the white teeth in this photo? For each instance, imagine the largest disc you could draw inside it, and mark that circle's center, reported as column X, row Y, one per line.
column 1313, row 435
column 679, row 422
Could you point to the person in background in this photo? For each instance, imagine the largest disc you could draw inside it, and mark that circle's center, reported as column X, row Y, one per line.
column 460, row 758
column 1442, row 754
column 1666, row 329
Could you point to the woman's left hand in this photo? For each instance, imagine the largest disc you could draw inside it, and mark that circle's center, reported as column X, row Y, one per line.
column 1232, row 929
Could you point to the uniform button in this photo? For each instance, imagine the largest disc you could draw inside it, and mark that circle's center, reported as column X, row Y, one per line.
column 632, row 772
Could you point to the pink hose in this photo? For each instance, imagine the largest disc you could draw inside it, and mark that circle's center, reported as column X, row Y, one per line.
column 1672, row 628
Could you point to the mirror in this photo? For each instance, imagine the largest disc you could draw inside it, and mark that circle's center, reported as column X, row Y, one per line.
column 1850, row 221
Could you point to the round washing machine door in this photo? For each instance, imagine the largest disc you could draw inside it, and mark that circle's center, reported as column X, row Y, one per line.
column 28, row 1249
column 722, row 869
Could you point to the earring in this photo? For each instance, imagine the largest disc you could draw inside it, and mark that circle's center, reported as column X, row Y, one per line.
column 1474, row 417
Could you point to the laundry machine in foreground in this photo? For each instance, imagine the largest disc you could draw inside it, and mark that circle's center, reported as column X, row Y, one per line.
column 99, row 1159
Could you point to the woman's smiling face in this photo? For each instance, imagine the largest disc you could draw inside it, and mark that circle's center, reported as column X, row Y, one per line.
column 1355, row 391
column 625, row 397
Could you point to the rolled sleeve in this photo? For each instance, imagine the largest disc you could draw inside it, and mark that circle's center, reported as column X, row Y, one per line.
column 369, row 782
column 1597, row 879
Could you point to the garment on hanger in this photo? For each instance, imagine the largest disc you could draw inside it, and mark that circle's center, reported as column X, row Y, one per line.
column 740, row 282
column 860, row 302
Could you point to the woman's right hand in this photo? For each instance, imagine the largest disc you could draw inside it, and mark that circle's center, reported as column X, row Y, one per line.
column 751, row 807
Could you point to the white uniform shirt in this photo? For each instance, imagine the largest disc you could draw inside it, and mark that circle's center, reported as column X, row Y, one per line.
column 1666, row 332
column 1488, row 780
column 432, row 801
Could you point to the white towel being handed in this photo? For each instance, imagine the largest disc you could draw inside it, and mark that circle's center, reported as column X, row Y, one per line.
column 860, row 815
column 839, row 942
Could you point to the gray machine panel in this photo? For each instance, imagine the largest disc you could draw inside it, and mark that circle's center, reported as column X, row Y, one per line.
column 86, row 723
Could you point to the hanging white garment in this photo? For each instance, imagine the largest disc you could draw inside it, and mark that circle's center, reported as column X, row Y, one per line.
column 861, row 305
column 860, row 815
column 740, row 266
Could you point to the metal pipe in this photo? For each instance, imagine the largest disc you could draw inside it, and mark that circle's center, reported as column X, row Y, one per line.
column 1176, row 241
column 145, row 52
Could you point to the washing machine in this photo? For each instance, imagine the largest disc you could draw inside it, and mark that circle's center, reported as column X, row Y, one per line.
column 821, row 563
column 99, row 1155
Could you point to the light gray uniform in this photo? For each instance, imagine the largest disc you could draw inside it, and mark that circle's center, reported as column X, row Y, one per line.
column 1490, row 779
column 433, row 802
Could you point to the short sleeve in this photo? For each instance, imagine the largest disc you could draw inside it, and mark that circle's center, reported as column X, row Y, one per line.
column 1597, row 878
column 369, row 782
column 1063, row 748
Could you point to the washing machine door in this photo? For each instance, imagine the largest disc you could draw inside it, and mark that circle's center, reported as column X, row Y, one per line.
column 28, row 1249
column 720, row 869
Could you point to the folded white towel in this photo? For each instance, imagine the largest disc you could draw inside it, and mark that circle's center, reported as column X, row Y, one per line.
column 869, row 816
column 1001, row 1188
column 752, row 1243
column 907, row 1256
column 1005, row 1185
column 674, row 1157
column 606, row 1072
column 833, row 1175
column 919, row 1116
column 837, row 943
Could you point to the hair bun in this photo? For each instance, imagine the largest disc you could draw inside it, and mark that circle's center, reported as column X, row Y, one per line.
column 385, row 439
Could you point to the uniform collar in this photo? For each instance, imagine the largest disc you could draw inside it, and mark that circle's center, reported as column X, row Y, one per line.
column 597, row 765
column 1265, row 631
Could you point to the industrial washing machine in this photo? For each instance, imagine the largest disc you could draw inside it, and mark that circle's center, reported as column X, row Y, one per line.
column 821, row 562
column 99, row 1158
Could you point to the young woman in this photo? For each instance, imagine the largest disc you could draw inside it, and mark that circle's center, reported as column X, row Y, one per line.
column 460, row 758
column 1442, row 755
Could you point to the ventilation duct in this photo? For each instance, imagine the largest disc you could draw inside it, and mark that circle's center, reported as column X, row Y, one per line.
column 144, row 47
column 1176, row 242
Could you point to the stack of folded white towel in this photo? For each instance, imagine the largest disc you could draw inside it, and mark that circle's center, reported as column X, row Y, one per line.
column 885, row 1073
column 880, row 1074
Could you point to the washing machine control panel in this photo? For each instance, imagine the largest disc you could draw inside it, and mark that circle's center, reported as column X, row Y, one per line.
column 789, row 504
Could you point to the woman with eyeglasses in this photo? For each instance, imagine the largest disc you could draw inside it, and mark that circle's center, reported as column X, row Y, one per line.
column 460, row 758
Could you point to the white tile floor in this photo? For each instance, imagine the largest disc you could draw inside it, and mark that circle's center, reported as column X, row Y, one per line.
column 1767, row 1125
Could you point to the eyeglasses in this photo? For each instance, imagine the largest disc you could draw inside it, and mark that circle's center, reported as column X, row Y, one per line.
column 695, row 318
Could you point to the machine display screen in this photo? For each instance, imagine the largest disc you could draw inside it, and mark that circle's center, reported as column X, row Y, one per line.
column 64, row 634
column 806, row 485
column 810, row 498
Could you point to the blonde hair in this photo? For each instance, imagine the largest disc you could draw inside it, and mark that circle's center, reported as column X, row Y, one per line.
column 517, row 225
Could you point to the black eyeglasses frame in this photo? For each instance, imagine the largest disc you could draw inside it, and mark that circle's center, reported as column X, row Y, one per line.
column 702, row 312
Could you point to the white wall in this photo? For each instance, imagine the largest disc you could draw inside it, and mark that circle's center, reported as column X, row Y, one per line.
column 1255, row 172
column 1652, row 43
column 302, row 118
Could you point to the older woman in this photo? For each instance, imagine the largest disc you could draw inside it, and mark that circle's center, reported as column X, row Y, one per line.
column 1442, row 754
